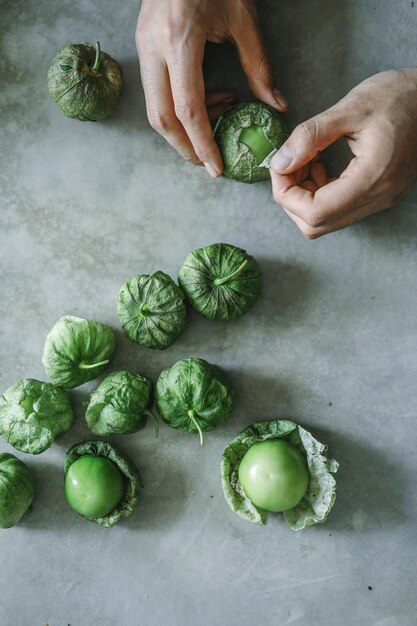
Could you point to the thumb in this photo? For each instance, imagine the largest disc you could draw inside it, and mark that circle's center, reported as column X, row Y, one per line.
column 308, row 139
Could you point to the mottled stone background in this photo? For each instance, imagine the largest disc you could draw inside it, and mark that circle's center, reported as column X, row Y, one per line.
column 331, row 343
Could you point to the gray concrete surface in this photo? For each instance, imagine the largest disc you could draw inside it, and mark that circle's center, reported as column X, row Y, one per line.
column 332, row 342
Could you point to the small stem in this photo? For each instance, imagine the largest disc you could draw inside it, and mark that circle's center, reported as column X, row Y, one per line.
column 144, row 311
column 155, row 422
column 88, row 366
column 96, row 65
column 192, row 417
column 221, row 281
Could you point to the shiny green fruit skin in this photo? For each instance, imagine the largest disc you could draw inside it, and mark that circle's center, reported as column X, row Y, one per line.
column 254, row 138
column 94, row 486
column 274, row 475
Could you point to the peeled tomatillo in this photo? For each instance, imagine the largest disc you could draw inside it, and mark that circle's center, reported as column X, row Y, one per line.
column 94, row 486
column 254, row 138
column 274, row 475
column 246, row 134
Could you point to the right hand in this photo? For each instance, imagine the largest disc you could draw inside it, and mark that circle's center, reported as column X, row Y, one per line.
column 378, row 119
column 170, row 37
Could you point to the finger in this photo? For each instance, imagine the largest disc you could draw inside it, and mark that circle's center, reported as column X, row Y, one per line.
column 256, row 64
column 160, row 106
column 187, row 85
column 308, row 185
column 218, row 103
column 328, row 203
column 215, row 112
column 310, row 138
column 355, row 216
column 318, row 174
column 302, row 174
column 220, row 97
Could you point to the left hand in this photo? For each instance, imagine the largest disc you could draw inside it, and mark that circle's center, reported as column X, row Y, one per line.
column 378, row 119
column 171, row 36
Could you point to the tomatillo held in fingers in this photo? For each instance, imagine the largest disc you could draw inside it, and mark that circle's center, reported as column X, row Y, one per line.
column 246, row 134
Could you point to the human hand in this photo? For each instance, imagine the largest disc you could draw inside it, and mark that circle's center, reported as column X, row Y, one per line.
column 378, row 119
column 170, row 37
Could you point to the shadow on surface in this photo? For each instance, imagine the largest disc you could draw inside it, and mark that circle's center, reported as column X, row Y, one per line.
column 259, row 397
column 395, row 228
column 287, row 289
column 162, row 497
column 369, row 488
column 130, row 113
column 49, row 508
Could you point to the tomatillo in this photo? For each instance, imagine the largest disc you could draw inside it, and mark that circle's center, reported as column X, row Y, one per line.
column 94, row 486
column 255, row 139
column 246, row 134
column 274, row 475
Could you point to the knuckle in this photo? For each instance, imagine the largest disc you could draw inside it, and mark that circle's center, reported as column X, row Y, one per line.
column 316, row 219
column 308, row 131
column 159, row 122
column 141, row 34
column 190, row 158
column 186, row 111
column 309, row 233
column 173, row 29
column 265, row 67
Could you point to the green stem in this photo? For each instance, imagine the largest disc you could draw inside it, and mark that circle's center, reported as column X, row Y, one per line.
column 96, row 65
column 192, row 417
column 155, row 422
column 144, row 311
column 89, row 366
column 221, row 281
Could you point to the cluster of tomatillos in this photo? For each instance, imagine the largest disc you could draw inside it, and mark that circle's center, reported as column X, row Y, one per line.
column 86, row 83
column 221, row 282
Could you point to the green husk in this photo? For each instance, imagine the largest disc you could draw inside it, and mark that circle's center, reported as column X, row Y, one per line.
column 84, row 81
column 151, row 310
column 77, row 350
column 239, row 162
column 221, row 281
column 17, row 488
column 321, row 493
column 129, row 470
column 194, row 396
column 33, row 413
column 121, row 404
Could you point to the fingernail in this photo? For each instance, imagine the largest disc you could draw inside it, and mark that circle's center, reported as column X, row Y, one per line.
column 211, row 170
column 281, row 101
column 282, row 159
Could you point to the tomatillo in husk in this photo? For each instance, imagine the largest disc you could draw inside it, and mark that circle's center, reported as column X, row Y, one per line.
column 84, row 81
column 246, row 134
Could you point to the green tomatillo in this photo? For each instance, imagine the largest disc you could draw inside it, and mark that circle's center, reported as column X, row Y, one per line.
column 101, row 483
column 221, row 281
column 274, row 475
column 274, row 466
column 151, row 310
column 17, row 488
column 94, row 486
column 77, row 350
column 84, row 81
column 246, row 134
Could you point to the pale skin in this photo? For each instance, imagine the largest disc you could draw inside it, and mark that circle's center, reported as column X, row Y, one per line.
column 170, row 38
column 378, row 118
